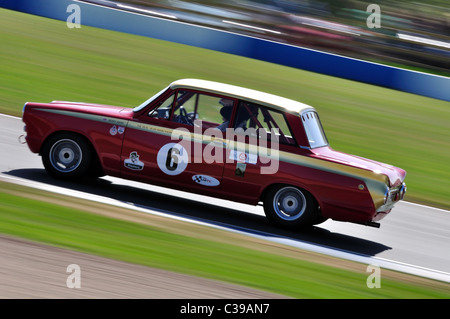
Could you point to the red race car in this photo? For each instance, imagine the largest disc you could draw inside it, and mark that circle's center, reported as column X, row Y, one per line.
column 218, row 140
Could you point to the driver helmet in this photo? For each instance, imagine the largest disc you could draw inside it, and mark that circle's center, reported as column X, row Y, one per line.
column 226, row 111
column 226, row 102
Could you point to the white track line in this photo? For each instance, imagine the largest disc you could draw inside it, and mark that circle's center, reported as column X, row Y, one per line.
column 427, row 207
column 11, row 116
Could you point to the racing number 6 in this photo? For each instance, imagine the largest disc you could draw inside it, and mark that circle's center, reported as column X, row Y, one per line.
column 172, row 160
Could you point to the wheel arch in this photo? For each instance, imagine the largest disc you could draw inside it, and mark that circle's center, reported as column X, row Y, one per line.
column 95, row 165
column 278, row 184
column 318, row 212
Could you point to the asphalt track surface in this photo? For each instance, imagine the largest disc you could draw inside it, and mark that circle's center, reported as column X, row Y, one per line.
column 412, row 235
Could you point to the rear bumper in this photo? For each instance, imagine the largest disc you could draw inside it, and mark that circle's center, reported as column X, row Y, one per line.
column 391, row 197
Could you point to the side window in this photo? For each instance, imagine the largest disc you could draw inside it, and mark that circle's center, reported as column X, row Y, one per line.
column 259, row 117
column 163, row 110
column 209, row 109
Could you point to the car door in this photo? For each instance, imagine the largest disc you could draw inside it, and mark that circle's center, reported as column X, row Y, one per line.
column 166, row 143
column 253, row 150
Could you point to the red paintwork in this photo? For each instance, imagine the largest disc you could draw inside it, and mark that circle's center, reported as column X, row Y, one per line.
column 337, row 195
column 396, row 175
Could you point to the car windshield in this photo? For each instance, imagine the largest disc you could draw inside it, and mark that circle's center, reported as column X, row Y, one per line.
column 147, row 102
column 314, row 131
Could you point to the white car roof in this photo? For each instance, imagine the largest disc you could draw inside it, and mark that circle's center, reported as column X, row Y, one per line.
column 258, row 97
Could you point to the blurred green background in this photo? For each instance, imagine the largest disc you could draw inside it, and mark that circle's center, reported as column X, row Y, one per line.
column 42, row 60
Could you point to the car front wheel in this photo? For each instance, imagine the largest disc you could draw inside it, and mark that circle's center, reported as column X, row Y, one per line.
column 66, row 156
column 290, row 207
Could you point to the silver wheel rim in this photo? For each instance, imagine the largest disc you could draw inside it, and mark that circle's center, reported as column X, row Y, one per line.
column 289, row 203
column 65, row 155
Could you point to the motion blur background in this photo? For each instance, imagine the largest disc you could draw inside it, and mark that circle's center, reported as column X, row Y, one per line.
column 412, row 34
column 44, row 59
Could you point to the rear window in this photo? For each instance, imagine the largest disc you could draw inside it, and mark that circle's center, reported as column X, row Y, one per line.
column 314, row 131
column 256, row 116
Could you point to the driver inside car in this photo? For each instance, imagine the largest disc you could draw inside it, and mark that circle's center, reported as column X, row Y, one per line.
column 225, row 112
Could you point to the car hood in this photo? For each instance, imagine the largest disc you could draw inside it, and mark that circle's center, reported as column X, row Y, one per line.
column 396, row 175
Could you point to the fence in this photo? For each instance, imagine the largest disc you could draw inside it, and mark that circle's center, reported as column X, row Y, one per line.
column 307, row 59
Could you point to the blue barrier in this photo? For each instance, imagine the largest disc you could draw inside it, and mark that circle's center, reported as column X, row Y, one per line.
column 311, row 60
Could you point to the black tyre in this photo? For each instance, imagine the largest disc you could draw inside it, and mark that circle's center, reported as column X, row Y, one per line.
column 290, row 207
column 319, row 220
column 66, row 156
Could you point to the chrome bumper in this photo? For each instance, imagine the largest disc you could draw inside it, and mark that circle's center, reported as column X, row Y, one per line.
column 392, row 196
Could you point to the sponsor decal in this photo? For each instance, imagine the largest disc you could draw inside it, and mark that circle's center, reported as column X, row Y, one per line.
column 172, row 159
column 243, row 157
column 240, row 169
column 205, row 180
column 113, row 130
column 133, row 162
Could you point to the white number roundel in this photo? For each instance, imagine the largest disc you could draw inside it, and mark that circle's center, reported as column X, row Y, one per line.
column 172, row 159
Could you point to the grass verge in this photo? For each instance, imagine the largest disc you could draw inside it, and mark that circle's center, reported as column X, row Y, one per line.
column 196, row 250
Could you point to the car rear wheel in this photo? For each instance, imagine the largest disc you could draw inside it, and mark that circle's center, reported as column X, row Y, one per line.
column 290, row 207
column 66, row 156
